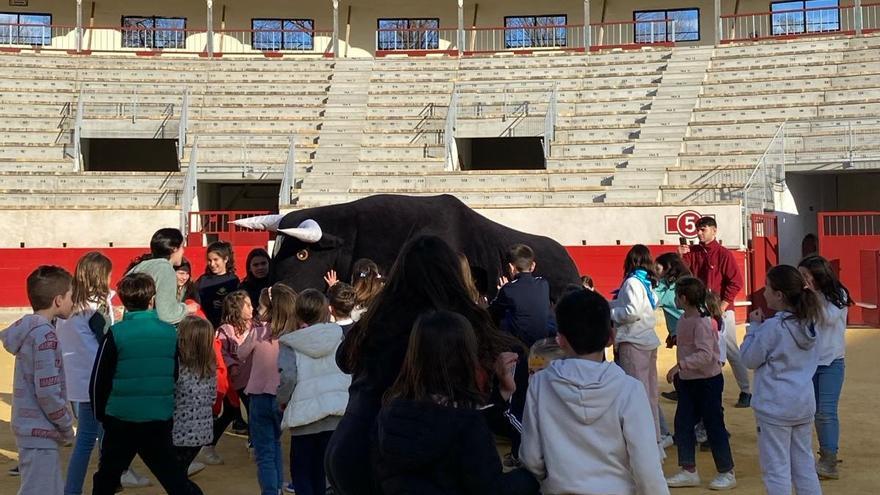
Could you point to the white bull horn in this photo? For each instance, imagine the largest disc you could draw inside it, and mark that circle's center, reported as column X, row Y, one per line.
column 262, row 222
column 308, row 231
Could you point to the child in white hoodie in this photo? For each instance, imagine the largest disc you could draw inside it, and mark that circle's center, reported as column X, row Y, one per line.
column 782, row 350
column 593, row 431
column 313, row 390
column 632, row 311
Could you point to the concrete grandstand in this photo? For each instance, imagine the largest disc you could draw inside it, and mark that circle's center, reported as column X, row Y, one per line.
column 611, row 118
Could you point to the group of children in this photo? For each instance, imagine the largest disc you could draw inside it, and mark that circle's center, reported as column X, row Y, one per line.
column 167, row 390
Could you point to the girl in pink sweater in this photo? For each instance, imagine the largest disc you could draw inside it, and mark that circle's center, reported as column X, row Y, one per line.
column 699, row 383
column 261, row 348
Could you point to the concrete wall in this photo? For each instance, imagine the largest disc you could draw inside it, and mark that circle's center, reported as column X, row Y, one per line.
column 82, row 228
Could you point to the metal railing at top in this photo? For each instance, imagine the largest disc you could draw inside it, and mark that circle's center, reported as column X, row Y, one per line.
column 418, row 39
column 791, row 22
column 245, row 41
column 497, row 39
column 758, row 192
column 640, row 33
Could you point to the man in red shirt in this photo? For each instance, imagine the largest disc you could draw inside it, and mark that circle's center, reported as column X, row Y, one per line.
column 715, row 265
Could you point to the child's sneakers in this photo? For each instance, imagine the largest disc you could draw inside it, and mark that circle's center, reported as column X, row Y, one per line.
column 724, row 481
column 666, row 441
column 130, row 479
column 209, row 456
column 13, row 471
column 683, row 478
column 194, row 468
column 288, row 488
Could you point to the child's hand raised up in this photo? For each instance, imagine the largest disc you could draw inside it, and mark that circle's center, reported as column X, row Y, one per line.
column 502, row 281
column 331, row 278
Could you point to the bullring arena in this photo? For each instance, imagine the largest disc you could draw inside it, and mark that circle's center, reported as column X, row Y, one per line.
column 597, row 123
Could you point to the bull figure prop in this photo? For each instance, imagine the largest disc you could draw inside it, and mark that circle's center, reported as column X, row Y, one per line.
column 313, row 241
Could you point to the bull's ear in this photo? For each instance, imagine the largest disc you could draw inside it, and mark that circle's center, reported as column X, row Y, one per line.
column 329, row 241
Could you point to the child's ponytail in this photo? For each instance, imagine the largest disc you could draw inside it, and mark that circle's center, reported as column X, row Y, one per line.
column 804, row 303
column 712, row 306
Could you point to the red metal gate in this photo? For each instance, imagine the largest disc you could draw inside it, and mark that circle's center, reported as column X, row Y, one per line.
column 843, row 238
column 764, row 256
column 217, row 225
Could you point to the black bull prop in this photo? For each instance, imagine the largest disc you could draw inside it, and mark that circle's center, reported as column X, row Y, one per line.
column 313, row 241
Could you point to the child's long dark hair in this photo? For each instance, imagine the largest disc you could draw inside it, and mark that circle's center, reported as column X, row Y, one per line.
column 440, row 363
column 162, row 245
column 366, row 280
column 639, row 256
column 825, row 281
column 673, row 267
column 803, row 302
column 222, row 249
column 695, row 293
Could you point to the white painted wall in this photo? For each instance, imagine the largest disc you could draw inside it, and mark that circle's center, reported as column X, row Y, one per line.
column 83, row 228
column 604, row 225
column 815, row 193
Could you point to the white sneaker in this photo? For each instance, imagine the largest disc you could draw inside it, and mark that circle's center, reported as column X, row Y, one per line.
column 724, row 481
column 131, row 479
column 666, row 441
column 700, row 432
column 209, row 456
column 194, row 468
column 683, row 478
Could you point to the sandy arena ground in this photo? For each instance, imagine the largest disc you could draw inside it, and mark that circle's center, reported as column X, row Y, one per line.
column 860, row 437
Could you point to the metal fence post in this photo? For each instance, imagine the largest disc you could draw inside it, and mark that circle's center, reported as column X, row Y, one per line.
column 79, row 26
column 209, row 47
column 77, row 132
column 288, row 180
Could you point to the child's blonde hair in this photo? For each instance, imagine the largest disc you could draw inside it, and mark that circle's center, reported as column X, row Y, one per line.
column 195, row 346
column 265, row 301
column 232, row 305
column 282, row 310
column 91, row 281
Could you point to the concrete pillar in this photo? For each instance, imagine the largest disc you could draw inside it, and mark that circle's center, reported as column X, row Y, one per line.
column 79, row 25
column 460, row 38
column 335, row 39
column 587, row 32
column 209, row 47
column 716, row 13
column 858, row 20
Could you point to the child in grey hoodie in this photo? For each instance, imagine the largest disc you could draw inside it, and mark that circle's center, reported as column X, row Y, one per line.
column 593, row 431
column 782, row 350
column 41, row 419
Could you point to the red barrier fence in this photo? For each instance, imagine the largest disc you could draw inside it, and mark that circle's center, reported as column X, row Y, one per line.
column 603, row 263
column 19, row 263
column 843, row 238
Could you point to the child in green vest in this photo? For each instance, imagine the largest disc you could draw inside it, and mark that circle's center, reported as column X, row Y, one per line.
column 132, row 392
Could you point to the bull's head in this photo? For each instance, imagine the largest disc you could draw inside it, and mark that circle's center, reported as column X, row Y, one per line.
column 302, row 254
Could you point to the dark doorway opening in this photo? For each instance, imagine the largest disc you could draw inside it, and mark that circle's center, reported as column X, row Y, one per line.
column 130, row 155
column 501, row 153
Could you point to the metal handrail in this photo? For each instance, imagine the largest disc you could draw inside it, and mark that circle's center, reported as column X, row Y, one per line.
column 77, row 132
column 189, row 190
column 449, row 132
column 182, row 125
column 288, row 180
column 761, row 176
column 550, row 121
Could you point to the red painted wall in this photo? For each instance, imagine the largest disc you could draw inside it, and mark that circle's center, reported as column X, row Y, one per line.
column 17, row 264
column 603, row 263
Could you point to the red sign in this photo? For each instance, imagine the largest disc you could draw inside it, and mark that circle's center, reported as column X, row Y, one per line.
column 684, row 224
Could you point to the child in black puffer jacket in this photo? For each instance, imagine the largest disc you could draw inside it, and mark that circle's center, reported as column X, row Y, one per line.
column 432, row 437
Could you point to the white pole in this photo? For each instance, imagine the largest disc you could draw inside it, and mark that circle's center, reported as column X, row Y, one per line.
column 209, row 47
column 717, row 16
column 587, row 26
column 79, row 26
column 460, row 38
column 335, row 40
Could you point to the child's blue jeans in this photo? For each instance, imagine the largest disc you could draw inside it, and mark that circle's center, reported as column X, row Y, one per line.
column 88, row 432
column 827, row 384
column 264, row 420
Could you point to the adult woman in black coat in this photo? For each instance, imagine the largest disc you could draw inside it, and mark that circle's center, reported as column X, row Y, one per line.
column 426, row 276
